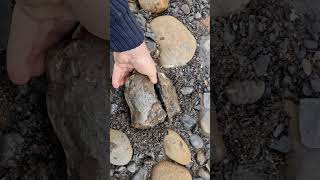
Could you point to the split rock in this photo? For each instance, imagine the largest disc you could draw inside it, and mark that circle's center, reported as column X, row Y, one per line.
column 176, row 149
column 176, row 43
column 145, row 108
column 245, row 92
column 154, row 6
column 120, row 148
column 166, row 170
column 168, row 95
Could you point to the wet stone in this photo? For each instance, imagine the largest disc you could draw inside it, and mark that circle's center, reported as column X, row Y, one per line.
column 309, row 118
column 278, row 130
column 245, row 92
column 9, row 144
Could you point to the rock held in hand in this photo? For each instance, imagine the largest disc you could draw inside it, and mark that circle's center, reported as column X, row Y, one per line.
column 176, row 149
column 166, row 170
column 145, row 108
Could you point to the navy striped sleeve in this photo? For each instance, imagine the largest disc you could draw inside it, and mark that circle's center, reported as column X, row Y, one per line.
column 125, row 33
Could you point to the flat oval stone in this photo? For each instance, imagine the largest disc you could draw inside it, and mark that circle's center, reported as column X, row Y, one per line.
column 176, row 149
column 176, row 43
column 154, row 6
column 145, row 108
column 166, row 170
column 120, row 148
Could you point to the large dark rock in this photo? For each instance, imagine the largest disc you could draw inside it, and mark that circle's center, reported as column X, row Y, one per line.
column 76, row 103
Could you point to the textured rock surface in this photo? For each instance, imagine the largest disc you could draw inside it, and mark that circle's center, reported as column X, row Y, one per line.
column 177, row 44
column 145, row 108
column 166, row 170
column 168, row 95
column 154, row 6
column 76, row 107
column 120, row 148
column 176, row 149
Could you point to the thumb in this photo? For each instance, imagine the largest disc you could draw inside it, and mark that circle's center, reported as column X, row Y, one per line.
column 153, row 77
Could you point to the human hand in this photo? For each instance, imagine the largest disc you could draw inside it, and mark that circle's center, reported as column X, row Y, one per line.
column 37, row 25
column 139, row 59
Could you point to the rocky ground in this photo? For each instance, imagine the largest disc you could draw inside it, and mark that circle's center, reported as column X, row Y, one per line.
column 191, row 82
column 265, row 72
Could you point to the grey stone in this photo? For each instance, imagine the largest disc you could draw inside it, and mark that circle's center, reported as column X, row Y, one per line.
column 121, row 168
column 197, row 178
column 113, row 108
column 132, row 167
column 206, row 100
column 185, row 8
column 186, row 90
column 141, row 20
column 197, row 16
column 315, row 84
column 307, row 66
column 142, row 174
column 188, row 121
column 261, row 65
column 204, row 50
column 145, row 108
column 282, row 145
column 287, row 81
column 150, row 35
column 152, row 46
column 310, row 44
column 309, row 121
column 196, row 141
column 245, row 92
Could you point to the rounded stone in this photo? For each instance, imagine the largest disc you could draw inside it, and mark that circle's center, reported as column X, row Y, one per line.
column 176, row 43
column 204, row 174
column 201, row 157
column 154, row 6
column 166, row 170
column 176, row 149
column 120, row 148
column 196, row 141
